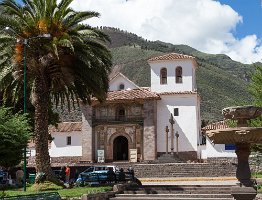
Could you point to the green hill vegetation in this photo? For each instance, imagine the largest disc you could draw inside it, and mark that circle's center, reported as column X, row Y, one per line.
column 221, row 82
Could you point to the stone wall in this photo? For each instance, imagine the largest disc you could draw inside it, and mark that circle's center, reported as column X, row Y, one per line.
column 183, row 156
column 222, row 160
column 58, row 161
column 147, row 170
column 184, row 170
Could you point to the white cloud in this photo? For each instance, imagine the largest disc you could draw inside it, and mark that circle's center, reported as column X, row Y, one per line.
column 203, row 24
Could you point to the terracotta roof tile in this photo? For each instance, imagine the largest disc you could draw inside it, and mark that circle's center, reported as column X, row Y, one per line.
column 215, row 126
column 171, row 56
column 182, row 92
column 66, row 127
column 135, row 94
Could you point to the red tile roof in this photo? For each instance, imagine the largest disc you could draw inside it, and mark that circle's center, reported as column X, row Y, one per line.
column 215, row 126
column 171, row 56
column 66, row 127
column 182, row 92
column 135, row 94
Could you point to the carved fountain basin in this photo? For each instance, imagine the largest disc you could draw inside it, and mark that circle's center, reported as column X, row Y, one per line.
column 236, row 135
column 242, row 112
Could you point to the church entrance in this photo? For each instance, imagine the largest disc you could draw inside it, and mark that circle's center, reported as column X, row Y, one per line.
column 120, row 148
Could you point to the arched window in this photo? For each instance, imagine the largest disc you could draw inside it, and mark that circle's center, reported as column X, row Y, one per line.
column 121, row 86
column 163, row 76
column 179, row 74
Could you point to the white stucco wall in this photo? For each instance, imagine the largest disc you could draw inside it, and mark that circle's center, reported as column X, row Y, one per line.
column 216, row 150
column 188, row 73
column 115, row 83
column 59, row 145
column 186, row 123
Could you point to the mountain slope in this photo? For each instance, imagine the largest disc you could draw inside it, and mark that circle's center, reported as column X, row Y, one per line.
column 221, row 81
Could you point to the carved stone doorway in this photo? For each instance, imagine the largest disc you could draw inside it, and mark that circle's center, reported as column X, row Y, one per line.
column 120, row 148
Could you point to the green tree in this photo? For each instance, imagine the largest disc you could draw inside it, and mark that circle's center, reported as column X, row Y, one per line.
column 71, row 63
column 14, row 134
column 256, row 91
column 256, row 86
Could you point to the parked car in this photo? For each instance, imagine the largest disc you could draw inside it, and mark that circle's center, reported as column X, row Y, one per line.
column 3, row 177
column 96, row 174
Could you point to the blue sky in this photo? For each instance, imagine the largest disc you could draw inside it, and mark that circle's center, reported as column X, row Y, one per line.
column 232, row 27
column 251, row 11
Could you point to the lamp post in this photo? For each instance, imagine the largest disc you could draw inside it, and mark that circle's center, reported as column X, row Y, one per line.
column 25, row 108
column 172, row 122
column 25, row 43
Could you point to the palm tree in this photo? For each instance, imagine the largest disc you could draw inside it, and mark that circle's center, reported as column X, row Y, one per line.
column 71, row 63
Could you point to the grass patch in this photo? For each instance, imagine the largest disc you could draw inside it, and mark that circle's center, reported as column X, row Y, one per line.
column 257, row 175
column 50, row 187
column 79, row 191
column 259, row 189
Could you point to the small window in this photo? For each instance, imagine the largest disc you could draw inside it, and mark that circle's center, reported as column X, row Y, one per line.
column 176, row 113
column 121, row 86
column 68, row 140
column 163, row 76
column 121, row 112
column 179, row 74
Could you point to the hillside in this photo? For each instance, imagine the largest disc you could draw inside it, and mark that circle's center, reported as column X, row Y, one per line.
column 221, row 81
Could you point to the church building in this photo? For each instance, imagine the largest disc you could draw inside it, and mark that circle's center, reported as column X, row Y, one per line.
column 131, row 124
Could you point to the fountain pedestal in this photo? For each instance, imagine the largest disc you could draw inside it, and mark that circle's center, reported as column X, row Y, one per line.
column 243, row 193
column 245, row 189
column 243, row 172
column 242, row 136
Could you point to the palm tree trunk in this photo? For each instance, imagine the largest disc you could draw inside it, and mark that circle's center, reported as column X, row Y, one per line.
column 41, row 103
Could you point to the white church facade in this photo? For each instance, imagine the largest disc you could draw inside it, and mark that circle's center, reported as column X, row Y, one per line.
column 132, row 122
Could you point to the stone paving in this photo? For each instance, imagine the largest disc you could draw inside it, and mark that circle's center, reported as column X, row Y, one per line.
column 259, row 197
column 190, row 181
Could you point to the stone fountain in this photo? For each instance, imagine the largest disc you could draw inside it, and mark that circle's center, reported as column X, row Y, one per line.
column 242, row 136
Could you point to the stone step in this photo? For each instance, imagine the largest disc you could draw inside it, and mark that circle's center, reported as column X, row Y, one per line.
column 179, row 191
column 166, row 198
column 181, row 187
column 176, row 192
column 177, row 195
column 148, row 175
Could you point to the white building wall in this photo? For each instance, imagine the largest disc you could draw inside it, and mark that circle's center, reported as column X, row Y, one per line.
column 115, row 83
column 59, row 145
column 185, row 123
column 216, row 150
column 188, row 73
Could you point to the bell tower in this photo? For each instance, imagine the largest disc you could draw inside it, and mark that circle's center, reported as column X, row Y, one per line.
column 173, row 73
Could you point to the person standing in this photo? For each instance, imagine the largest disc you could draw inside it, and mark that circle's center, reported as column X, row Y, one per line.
column 62, row 174
column 19, row 176
column 76, row 174
column 132, row 173
column 67, row 171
